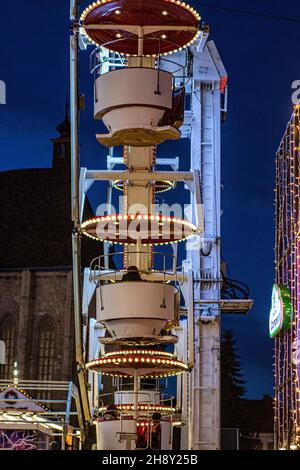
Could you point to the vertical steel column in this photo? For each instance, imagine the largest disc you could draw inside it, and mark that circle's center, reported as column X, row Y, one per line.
column 205, row 158
column 191, row 356
column 136, row 393
column 140, row 46
column 75, row 173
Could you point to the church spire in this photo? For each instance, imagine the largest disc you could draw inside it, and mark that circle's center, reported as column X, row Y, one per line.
column 61, row 144
column 64, row 127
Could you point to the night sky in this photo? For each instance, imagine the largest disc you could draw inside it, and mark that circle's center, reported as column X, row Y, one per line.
column 261, row 56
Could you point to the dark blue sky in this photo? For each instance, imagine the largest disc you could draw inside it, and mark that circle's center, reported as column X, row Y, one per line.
column 261, row 56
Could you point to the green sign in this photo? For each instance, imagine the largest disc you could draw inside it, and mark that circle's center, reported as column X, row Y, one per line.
column 281, row 313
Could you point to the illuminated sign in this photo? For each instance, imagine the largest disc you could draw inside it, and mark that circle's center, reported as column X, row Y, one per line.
column 281, row 312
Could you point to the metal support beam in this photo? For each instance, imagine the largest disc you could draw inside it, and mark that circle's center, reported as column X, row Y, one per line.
column 75, row 210
column 172, row 162
column 191, row 355
column 136, row 29
column 84, row 185
column 105, row 175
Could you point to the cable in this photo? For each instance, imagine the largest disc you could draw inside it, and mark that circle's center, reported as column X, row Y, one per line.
column 238, row 286
column 248, row 12
column 232, row 287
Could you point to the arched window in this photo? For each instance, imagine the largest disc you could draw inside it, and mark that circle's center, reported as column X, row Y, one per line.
column 60, row 150
column 46, row 350
column 8, row 335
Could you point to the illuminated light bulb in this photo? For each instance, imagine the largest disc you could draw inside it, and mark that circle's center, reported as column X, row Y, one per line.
column 164, row 13
column 163, row 36
column 119, row 36
column 118, row 12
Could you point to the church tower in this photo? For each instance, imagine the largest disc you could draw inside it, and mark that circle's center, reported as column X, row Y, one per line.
column 62, row 144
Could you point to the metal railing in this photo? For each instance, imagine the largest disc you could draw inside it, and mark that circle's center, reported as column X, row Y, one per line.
column 167, row 260
column 165, row 399
column 138, row 415
column 99, row 273
column 103, row 61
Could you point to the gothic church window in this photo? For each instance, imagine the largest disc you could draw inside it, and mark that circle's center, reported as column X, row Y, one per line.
column 8, row 335
column 46, row 350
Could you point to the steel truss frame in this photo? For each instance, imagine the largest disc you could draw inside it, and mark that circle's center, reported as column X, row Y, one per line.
column 287, row 264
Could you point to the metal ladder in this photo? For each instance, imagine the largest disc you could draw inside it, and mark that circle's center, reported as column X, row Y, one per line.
column 205, row 387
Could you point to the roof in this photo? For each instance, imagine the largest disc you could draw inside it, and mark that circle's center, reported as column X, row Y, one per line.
column 12, row 398
column 23, row 413
column 167, row 25
column 35, row 213
column 259, row 414
column 35, row 220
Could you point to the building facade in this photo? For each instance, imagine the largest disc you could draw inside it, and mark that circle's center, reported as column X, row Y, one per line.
column 36, row 324
column 36, row 312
